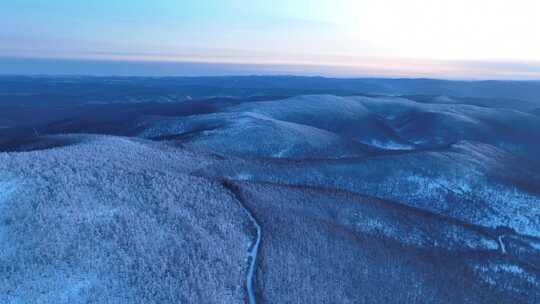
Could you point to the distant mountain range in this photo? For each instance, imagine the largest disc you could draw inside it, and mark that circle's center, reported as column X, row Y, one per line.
column 78, row 89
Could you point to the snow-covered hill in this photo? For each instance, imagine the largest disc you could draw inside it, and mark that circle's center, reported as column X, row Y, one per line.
column 306, row 199
column 112, row 220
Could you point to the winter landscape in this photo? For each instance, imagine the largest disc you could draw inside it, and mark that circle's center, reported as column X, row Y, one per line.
column 268, row 190
column 269, row 152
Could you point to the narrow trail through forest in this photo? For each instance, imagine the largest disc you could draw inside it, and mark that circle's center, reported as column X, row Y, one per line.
column 254, row 249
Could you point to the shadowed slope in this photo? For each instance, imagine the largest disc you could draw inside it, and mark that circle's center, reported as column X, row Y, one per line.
column 324, row 245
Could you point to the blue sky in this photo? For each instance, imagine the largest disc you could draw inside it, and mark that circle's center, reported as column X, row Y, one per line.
column 164, row 28
column 439, row 38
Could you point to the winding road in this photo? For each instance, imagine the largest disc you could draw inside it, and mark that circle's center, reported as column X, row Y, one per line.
column 253, row 260
column 501, row 244
column 254, row 249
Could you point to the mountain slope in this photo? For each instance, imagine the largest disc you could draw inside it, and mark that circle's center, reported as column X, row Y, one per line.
column 112, row 220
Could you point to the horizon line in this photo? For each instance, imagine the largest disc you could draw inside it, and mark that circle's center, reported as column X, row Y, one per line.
column 457, row 70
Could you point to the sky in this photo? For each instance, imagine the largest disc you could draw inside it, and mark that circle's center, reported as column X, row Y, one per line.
column 466, row 39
